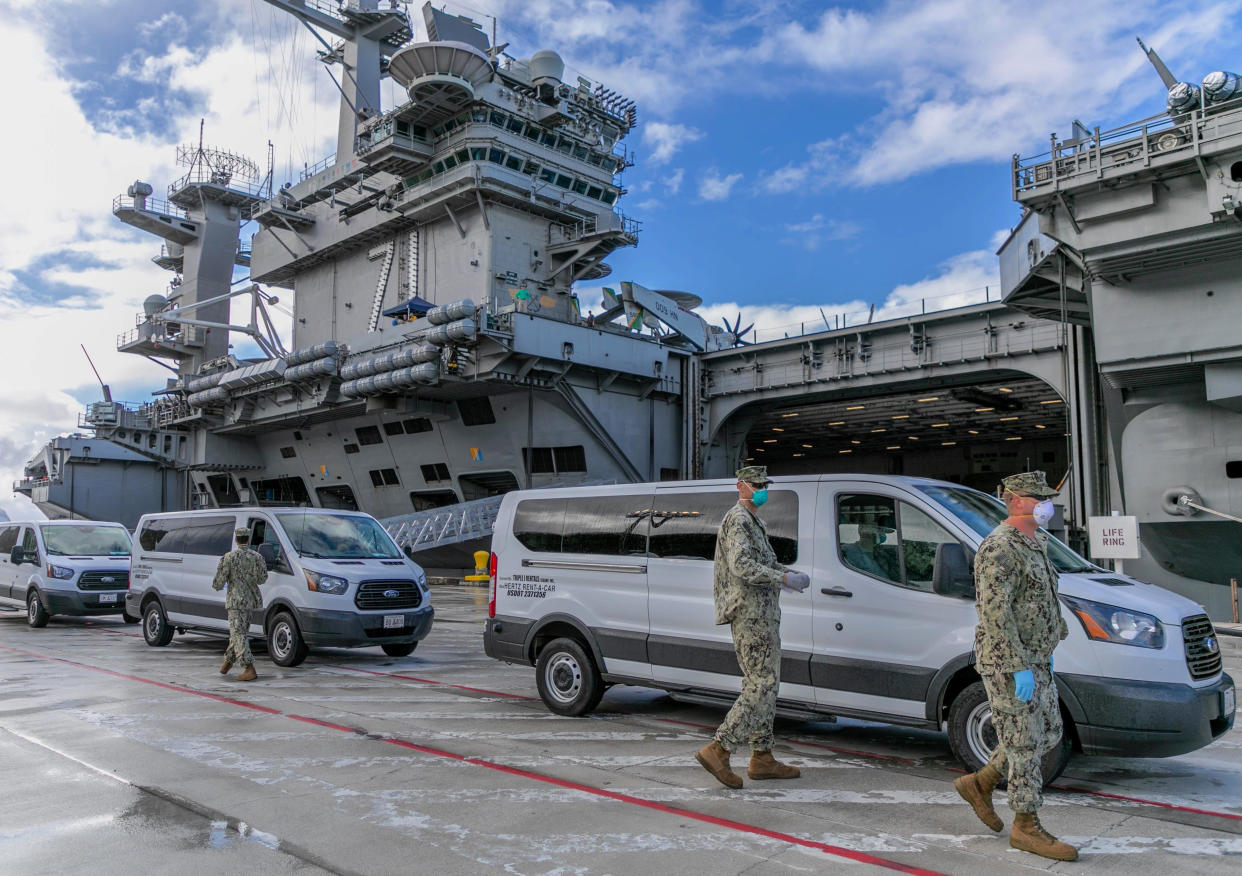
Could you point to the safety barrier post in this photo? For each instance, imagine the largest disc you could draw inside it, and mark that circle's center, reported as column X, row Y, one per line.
column 1233, row 594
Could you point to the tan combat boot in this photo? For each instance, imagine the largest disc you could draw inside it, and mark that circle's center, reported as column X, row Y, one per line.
column 248, row 674
column 715, row 759
column 764, row 766
column 976, row 789
column 1029, row 836
column 226, row 666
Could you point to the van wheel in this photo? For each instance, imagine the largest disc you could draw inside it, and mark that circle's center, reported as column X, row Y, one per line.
column 567, row 679
column 973, row 738
column 36, row 614
column 284, row 641
column 400, row 650
column 155, row 628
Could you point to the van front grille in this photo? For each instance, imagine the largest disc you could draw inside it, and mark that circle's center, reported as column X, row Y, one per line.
column 106, row 579
column 1202, row 647
column 370, row 595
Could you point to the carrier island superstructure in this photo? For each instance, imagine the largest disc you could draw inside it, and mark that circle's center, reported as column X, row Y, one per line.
column 440, row 355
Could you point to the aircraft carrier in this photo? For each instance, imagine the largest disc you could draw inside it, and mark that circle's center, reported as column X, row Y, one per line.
column 441, row 354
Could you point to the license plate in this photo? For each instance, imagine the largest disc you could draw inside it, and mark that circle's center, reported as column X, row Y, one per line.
column 394, row 621
column 107, row 597
column 1228, row 702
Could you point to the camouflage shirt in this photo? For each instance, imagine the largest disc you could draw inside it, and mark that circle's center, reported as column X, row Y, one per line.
column 1020, row 620
column 242, row 570
column 747, row 577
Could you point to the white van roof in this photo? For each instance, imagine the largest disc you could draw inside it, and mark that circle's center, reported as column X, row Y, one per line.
column 61, row 523
column 250, row 509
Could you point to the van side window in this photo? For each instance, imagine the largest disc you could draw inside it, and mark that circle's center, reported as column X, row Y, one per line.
column 263, row 539
column 211, row 536
column 608, row 525
column 921, row 538
column 602, row 525
column 684, row 525
column 890, row 540
column 538, row 523
column 866, row 527
column 30, row 544
column 8, row 539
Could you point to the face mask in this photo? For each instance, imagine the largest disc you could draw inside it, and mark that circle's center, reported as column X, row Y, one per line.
column 758, row 497
column 1043, row 512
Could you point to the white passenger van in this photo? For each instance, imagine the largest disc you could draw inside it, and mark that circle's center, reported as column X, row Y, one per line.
column 334, row 579
column 66, row 567
column 613, row 585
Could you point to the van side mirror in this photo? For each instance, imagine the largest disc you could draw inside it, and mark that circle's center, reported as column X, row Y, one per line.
column 953, row 573
column 17, row 556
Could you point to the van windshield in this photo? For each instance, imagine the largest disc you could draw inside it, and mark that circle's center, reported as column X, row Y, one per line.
column 983, row 513
column 85, row 541
column 337, row 536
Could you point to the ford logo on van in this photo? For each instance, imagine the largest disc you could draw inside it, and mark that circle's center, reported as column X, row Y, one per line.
column 391, row 594
column 107, row 579
column 1210, row 644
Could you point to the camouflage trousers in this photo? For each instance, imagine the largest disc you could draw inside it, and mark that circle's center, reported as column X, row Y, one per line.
column 1025, row 732
column 758, row 646
column 239, row 640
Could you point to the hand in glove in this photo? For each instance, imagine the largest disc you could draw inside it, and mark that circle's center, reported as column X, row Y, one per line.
column 1024, row 685
column 795, row 582
column 1051, row 667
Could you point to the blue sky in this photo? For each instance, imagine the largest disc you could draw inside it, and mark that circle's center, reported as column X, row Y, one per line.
column 790, row 155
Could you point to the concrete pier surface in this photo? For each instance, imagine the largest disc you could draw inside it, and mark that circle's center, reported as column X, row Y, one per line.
column 118, row 758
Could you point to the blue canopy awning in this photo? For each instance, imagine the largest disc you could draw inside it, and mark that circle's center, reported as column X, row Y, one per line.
column 411, row 307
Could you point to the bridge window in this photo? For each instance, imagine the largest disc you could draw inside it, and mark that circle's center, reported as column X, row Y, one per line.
column 555, row 460
column 280, row 491
column 288, row 453
column 435, row 472
column 384, row 477
column 368, row 435
column 417, row 425
column 394, row 428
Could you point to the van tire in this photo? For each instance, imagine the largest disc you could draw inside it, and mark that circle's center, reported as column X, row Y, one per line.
column 404, row 650
column 285, row 644
column 568, row 681
column 972, row 738
column 36, row 614
column 155, row 628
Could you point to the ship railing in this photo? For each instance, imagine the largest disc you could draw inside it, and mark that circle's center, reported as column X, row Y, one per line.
column 569, row 232
column 201, row 173
column 436, row 527
column 318, row 167
column 32, row 483
column 149, row 205
column 862, row 318
column 1124, row 147
column 156, row 330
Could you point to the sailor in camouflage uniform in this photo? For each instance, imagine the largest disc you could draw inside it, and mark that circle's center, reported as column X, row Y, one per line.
column 1020, row 624
column 747, row 584
column 242, row 571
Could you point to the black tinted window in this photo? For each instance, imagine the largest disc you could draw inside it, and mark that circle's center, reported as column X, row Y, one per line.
column 280, row 491
column 601, row 525
column 684, row 525
column 8, row 539
column 212, row 536
column 538, row 523
column 368, row 435
column 476, row 411
column 607, row 525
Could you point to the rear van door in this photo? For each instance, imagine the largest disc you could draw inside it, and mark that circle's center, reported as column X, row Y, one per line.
column 686, row 645
column 881, row 634
column 203, row 540
column 585, row 557
column 8, row 573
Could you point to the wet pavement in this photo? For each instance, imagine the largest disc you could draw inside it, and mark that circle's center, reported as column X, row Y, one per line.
column 119, row 758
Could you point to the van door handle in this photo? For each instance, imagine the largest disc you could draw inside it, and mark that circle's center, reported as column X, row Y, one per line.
column 834, row 592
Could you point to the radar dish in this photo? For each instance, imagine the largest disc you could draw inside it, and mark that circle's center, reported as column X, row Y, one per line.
column 153, row 304
column 684, row 300
column 441, row 78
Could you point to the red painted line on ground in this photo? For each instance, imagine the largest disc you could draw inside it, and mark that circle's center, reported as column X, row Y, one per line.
column 1145, row 802
column 739, row 826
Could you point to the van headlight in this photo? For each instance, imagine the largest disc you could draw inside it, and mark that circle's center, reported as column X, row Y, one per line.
column 62, row 572
column 1111, row 623
column 325, row 583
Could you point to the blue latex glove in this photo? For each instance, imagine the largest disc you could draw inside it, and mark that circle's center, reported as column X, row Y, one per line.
column 1051, row 665
column 1024, row 685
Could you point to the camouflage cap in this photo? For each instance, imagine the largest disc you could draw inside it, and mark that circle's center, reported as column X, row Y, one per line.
column 1031, row 483
column 754, row 474
column 241, row 533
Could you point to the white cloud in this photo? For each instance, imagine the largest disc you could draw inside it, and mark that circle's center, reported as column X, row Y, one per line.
column 814, row 231
column 674, row 180
column 714, row 187
column 968, row 278
column 665, row 139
